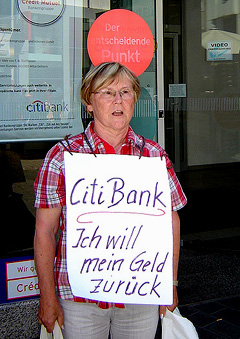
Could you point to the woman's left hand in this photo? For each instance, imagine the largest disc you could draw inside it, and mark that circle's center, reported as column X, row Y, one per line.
column 172, row 307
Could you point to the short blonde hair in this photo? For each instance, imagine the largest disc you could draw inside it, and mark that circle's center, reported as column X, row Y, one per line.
column 103, row 75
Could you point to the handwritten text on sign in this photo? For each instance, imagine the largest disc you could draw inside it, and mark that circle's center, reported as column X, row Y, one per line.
column 119, row 231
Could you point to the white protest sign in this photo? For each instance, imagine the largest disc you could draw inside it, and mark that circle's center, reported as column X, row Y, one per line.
column 119, row 228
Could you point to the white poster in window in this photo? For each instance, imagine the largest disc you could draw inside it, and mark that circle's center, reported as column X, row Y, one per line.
column 219, row 50
column 40, row 69
column 21, row 279
column 119, row 228
column 177, row 90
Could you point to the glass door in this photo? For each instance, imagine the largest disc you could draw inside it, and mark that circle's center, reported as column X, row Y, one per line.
column 160, row 72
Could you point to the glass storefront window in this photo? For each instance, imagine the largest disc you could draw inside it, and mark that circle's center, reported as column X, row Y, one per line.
column 202, row 114
column 201, row 61
column 213, row 82
column 60, row 52
column 40, row 75
column 201, row 47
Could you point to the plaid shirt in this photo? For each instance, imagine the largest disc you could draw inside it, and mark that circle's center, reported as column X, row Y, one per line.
column 50, row 189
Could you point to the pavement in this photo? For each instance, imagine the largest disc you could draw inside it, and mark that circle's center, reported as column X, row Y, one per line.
column 209, row 287
column 209, row 267
column 215, row 319
column 212, row 301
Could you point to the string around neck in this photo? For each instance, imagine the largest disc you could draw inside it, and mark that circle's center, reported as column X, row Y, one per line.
column 142, row 147
column 89, row 145
column 67, row 141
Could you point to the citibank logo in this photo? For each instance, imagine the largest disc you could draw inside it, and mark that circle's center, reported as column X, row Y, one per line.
column 39, row 106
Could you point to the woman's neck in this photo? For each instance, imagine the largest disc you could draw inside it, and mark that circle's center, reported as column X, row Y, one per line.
column 114, row 138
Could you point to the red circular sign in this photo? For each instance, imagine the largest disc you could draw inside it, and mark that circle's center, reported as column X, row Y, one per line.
column 121, row 36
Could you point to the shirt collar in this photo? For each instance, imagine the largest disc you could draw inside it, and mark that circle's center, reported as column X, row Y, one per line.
column 92, row 137
column 95, row 140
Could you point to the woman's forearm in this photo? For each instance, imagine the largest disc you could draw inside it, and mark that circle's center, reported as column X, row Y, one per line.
column 47, row 221
column 44, row 255
column 176, row 243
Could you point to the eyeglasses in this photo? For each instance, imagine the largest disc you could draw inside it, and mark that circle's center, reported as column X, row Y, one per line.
column 110, row 94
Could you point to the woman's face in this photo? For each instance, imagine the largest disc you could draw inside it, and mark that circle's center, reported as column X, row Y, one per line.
column 113, row 106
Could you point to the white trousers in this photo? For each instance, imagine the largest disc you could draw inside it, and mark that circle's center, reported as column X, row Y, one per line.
column 88, row 321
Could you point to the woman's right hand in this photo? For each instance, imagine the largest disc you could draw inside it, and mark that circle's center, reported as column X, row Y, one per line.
column 49, row 312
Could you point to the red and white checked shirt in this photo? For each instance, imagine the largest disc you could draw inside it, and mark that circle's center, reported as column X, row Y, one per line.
column 50, row 189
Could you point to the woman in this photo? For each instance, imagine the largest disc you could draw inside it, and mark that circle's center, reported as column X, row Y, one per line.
column 109, row 92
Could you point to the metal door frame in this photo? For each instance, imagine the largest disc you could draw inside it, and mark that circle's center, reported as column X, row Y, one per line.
column 175, row 103
column 160, row 70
